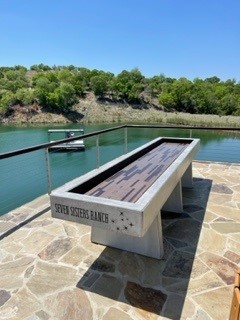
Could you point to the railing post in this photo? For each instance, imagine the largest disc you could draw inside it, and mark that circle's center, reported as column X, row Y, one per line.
column 125, row 140
column 190, row 133
column 48, row 171
column 97, row 152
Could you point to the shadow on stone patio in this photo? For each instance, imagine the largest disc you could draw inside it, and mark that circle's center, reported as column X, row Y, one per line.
column 151, row 285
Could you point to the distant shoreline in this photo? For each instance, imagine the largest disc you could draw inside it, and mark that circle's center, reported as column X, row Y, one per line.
column 112, row 114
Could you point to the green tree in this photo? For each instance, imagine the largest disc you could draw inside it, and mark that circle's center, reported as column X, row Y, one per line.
column 181, row 91
column 14, row 80
column 213, row 79
column 62, row 98
column 24, row 96
column 167, row 100
column 155, row 85
column 40, row 67
column 81, row 80
column 101, row 83
column 229, row 104
column 42, row 88
column 128, row 85
column 7, row 100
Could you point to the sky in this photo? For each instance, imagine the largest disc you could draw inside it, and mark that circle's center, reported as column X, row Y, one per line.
column 177, row 38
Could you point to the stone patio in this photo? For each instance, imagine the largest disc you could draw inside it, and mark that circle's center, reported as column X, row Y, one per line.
column 50, row 270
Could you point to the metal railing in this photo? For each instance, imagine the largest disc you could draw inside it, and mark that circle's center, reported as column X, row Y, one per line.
column 30, row 172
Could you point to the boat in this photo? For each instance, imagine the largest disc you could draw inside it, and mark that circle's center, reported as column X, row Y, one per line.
column 68, row 133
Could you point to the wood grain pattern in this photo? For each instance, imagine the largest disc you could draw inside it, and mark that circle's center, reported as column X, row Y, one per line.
column 130, row 183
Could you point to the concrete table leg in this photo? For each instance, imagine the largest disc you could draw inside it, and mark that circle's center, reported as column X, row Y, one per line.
column 150, row 245
column 187, row 181
column 174, row 202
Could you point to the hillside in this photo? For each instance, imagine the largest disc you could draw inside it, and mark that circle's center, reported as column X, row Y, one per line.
column 68, row 93
column 91, row 110
column 88, row 110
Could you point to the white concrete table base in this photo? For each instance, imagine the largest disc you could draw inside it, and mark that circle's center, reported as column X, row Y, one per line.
column 151, row 244
column 131, row 226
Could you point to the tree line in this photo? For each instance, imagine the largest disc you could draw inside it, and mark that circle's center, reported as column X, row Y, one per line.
column 59, row 88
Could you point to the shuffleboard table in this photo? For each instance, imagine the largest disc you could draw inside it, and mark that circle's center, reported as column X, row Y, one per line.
column 122, row 200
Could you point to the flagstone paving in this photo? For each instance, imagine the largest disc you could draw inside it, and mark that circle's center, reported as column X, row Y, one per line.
column 50, row 269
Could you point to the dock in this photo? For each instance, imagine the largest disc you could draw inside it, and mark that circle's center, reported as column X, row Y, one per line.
column 49, row 269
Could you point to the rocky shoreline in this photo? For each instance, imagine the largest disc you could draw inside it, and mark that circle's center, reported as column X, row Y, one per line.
column 92, row 111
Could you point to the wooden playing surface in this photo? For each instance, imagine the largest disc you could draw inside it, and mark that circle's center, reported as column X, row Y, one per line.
column 130, row 183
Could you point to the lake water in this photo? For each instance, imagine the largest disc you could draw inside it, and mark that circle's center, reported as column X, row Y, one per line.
column 23, row 178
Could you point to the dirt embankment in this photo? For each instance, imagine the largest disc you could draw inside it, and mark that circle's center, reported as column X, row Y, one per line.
column 92, row 110
column 88, row 110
